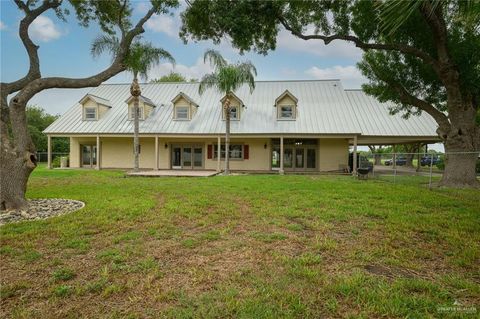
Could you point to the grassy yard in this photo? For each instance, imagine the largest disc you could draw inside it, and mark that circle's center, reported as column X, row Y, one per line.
column 242, row 247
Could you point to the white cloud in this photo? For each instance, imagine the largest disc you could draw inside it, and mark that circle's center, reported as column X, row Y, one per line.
column 350, row 76
column 195, row 71
column 43, row 29
column 165, row 24
column 3, row 26
column 336, row 49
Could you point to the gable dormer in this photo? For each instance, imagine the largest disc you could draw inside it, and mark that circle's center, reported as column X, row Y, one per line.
column 184, row 108
column 94, row 107
column 286, row 105
column 145, row 107
column 236, row 106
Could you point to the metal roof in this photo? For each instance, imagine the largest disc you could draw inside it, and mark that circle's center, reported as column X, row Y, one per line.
column 324, row 107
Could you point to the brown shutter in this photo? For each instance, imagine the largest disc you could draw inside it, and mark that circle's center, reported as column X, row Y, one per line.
column 209, row 152
column 245, row 152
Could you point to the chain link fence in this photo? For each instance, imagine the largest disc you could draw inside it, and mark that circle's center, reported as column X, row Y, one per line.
column 420, row 168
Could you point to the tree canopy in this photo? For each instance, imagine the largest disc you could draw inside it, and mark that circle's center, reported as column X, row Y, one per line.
column 171, row 77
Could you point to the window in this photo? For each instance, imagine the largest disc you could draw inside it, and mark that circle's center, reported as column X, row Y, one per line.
column 236, row 151
column 181, row 112
column 234, row 113
column 286, row 112
column 131, row 114
column 90, row 113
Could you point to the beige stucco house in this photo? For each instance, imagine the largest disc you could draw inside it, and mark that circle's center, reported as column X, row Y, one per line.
column 296, row 126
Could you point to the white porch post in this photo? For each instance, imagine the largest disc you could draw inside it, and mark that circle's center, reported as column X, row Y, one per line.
column 354, row 170
column 98, row 153
column 49, row 152
column 281, row 171
column 219, row 141
column 156, row 153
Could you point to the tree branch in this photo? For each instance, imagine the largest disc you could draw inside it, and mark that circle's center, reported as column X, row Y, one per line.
column 30, row 47
column 407, row 98
column 116, row 67
column 425, row 57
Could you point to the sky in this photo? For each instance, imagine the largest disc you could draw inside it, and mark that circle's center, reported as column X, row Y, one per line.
column 65, row 51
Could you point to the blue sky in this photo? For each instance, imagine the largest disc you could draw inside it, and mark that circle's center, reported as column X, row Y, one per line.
column 65, row 51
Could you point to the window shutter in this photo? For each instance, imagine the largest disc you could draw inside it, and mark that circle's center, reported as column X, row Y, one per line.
column 209, row 152
column 245, row 152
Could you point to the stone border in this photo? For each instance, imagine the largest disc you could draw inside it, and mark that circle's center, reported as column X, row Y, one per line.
column 41, row 209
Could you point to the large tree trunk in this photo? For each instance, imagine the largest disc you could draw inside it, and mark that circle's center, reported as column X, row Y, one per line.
column 135, row 92
column 17, row 156
column 460, row 164
column 14, row 172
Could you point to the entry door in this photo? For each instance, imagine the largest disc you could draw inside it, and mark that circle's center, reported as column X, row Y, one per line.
column 89, row 155
column 176, row 157
column 300, row 159
column 187, row 157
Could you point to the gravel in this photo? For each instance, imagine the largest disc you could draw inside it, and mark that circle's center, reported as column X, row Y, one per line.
column 41, row 209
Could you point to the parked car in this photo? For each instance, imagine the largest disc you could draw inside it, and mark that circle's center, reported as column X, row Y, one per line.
column 400, row 161
column 426, row 160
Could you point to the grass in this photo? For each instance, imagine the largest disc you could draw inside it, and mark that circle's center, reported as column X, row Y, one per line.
column 244, row 247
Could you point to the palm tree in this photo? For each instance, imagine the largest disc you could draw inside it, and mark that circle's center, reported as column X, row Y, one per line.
column 227, row 78
column 141, row 57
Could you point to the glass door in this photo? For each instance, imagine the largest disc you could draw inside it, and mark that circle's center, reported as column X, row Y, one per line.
column 198, row 157
column 299, row 158
column 176, row 157
column 89, row 155
column 288, row 158
column 311, row 158
column 187, row 157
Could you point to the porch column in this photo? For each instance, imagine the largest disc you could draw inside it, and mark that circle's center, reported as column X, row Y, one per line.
column 219, row 141
column 98, row 153
column 49, row 152
column 156, row 153
column 354, row 170
column 281, row 171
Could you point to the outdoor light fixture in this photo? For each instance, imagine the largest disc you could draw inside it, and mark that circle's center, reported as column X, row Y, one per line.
column 166, row 145
column 265, row 146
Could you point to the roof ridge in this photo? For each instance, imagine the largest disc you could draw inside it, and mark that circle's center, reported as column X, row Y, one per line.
column 259, row 81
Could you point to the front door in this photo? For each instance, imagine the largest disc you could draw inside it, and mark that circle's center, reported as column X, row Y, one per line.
column 89, row 155
column 187, row 156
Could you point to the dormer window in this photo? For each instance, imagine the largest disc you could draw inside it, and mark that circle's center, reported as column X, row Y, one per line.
column 145, row 107
column 235, row 106
column 90, row 113
column 131, row 112
column 286, row 105
column 286, row 111
column 184, row 108
column 181, row 112
column 234, row 113
column 94, row 107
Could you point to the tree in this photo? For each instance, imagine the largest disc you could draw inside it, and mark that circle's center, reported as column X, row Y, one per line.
column 420, row 55
column 38, row 120
column 227, row 78
column 17, row 154
column 171, row 77
column 139, row 60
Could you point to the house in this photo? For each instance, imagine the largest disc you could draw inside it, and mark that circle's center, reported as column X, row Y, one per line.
column 281, row 126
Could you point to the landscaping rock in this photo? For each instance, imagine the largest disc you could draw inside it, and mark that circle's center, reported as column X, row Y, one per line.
column 41, row 209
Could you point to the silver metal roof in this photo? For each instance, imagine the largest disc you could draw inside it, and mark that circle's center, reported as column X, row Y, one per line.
column 324, row 107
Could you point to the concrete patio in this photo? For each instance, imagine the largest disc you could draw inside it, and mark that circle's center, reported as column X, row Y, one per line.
column 173, row 173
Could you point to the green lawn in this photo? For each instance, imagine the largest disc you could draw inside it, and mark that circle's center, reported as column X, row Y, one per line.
column 262, row 246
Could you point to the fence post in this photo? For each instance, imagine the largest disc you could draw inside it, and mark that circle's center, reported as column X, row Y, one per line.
column 431, row 166
column 394, row 167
